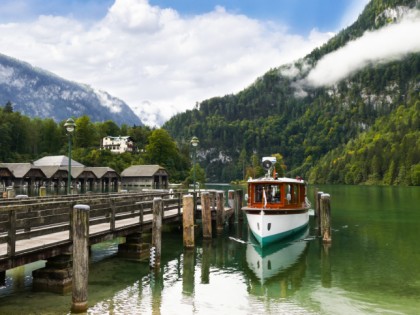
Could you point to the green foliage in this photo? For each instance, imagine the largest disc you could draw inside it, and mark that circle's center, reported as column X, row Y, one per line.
column 200, row 175
column 310, row 132
column 162, row 150
column 25, row 139
column 389, row 153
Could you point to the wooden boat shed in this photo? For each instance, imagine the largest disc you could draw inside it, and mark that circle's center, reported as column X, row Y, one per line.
column 53, row 171
column 148, row 176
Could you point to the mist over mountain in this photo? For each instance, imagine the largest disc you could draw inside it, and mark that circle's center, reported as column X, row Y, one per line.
column 342, row 114
column 38, row 93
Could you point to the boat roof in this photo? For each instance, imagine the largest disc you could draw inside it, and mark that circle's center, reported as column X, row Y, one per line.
column 279, row 180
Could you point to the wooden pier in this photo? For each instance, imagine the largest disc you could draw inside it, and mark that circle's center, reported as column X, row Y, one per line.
column 40, row 228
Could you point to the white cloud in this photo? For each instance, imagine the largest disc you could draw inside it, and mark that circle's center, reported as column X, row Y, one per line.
column 154, row 59
column 389, row 43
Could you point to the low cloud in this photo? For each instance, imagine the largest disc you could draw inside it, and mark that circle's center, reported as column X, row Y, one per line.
column 392, row 42
column 156, row 60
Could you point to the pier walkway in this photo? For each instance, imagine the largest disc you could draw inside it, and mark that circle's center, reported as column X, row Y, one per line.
column 39, row 228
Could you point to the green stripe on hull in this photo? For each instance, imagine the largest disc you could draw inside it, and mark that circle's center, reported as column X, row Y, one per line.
column 272, row 238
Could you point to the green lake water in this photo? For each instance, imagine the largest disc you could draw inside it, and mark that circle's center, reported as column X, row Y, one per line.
column 371, row 267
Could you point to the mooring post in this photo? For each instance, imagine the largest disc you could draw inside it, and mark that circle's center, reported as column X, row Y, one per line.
column 325, row 218
column 231, row 201
column 220, row 211
column 155, row 250
column 80, row 230
column 11, row 193
column 238, row 205
column 11, row 237
column 188, row 221
column 318, row 210
column 315, row 201
column 206, row 215
column 3, row 278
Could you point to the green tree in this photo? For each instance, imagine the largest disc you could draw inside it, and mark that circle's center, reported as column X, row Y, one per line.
column 85, row 135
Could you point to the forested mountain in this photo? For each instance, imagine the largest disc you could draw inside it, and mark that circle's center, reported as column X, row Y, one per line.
column 363, row 128
column 38, row 93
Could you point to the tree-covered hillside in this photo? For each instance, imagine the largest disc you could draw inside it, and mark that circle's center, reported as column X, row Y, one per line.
column 310, row 129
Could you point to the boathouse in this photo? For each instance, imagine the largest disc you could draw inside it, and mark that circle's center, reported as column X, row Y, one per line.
column 52, row 171
column 21, row 174
column 148, row 176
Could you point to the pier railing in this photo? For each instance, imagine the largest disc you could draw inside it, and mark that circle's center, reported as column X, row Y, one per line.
column 30, row 218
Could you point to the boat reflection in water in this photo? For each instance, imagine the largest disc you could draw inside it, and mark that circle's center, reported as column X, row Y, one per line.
column 277, row 269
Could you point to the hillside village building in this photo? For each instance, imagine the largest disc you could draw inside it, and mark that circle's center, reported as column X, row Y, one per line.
column 118, row 144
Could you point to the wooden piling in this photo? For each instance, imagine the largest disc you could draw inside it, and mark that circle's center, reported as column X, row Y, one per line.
column 220, row 211
column 3, row 278
column 188, row 221
column 206, row 215
column 80, row 231
column 238, row 205
column 318, row 210
column 325, row 218
column 156, row 248
column 11, row 193
column 11, row 237
column 318, row 203
column 231, row 198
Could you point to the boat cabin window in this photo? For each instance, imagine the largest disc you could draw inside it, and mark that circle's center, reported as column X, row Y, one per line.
column 292, row 193
column 269, row 193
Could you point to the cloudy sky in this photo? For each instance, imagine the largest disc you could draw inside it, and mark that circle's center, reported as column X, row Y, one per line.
column 163, row 56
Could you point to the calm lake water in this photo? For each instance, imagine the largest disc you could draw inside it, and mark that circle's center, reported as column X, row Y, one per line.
column 371, row 267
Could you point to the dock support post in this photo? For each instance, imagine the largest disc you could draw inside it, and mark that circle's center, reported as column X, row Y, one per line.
column 11, row 238
column 156, row 249
column 134, row 248
column 220, row 211
column 231, row 200
column 56, row 276
column 206, row 215
column 188, row 221
column 325, row 218
column 3, row 278
column 318, row 210
column 11, row 193
column 80, row 257
column 238, row 205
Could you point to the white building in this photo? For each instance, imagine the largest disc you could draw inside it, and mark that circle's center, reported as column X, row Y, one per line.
column 118, row 144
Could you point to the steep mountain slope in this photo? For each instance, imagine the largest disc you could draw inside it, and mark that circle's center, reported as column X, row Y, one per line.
column 282, row 113
column 38, row 93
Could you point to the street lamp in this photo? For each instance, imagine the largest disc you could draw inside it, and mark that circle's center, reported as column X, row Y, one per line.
column 194, row 143
column 70, row 126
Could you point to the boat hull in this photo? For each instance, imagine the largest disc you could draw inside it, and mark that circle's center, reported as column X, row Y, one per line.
column 269, row 227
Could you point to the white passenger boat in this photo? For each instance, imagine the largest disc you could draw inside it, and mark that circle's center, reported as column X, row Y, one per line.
column 276, row 207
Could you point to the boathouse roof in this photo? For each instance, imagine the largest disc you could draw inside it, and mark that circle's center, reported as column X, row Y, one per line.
column 57, row 160
column 143, row 171
column 20, row 170
column 102, row 171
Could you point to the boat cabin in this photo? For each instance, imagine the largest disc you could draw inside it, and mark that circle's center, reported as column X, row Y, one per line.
column 276, row 193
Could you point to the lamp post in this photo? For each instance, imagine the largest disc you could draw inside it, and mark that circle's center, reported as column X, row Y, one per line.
column 194, row 143
column 70, row 126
